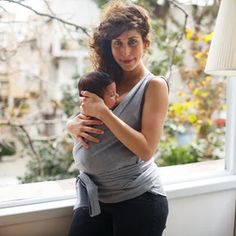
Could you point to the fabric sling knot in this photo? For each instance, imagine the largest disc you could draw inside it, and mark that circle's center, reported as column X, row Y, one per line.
column 91, row 191
column 109, row 172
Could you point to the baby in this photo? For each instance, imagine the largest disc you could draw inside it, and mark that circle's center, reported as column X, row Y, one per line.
column 102, row 85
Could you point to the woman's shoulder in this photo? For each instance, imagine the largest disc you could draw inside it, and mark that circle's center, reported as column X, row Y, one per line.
column 157, row 91
column 158, row 82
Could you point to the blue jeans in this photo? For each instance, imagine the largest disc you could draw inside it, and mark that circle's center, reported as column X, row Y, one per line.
column 145, row 215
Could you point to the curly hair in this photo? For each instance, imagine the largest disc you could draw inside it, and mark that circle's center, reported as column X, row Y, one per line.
column 117, row 17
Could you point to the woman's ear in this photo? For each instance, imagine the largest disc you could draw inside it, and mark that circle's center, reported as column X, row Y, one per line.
column 146, row 44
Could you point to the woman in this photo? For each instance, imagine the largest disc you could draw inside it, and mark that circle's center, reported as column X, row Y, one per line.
column 119, row 189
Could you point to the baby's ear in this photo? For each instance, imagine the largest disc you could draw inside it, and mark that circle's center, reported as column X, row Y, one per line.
column 83, row 93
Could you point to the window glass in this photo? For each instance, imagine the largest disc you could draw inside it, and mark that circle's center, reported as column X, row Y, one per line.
column 43, row 59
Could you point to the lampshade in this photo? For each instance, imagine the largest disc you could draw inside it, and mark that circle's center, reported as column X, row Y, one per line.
column 222, row 54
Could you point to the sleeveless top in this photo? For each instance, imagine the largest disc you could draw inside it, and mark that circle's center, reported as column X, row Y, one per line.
column 110, row 172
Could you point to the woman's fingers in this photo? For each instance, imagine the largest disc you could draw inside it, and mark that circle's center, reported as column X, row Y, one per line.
column 90, row 138
column 82, row 128
column 88, row 129
column 92, row 122
column 83, row 143
column 88, row 120
column 83, row 117
column 88, row 94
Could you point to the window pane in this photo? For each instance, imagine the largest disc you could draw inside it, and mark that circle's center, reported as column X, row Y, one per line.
column 195, row 124
column 42, row 61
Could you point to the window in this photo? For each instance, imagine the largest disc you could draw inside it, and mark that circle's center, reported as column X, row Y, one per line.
column 46, row 146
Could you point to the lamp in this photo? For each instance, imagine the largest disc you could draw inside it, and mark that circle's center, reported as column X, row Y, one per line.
column 222, row 54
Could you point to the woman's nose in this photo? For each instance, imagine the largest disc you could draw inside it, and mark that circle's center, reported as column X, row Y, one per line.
column 126, row 50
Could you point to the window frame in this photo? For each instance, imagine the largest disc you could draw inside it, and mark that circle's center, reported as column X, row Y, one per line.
column 230, row 162
column 228, row 171
column 20, row 211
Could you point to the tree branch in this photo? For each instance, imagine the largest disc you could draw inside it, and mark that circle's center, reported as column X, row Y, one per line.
column 1, row 7
column 77, row 27
column 6, row 54
column 179, row 38
column 31, row 141
column 39, row 122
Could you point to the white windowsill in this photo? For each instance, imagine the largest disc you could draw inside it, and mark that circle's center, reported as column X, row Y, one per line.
column 58, row 197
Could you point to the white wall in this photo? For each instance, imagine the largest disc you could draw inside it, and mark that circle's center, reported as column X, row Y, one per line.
column 201, row 215
column 50, row 227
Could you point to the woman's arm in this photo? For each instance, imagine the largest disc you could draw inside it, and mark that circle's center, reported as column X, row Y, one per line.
column 80, row 128
column 143, row 143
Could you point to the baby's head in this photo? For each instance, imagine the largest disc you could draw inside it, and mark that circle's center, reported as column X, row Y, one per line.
column 101, row 84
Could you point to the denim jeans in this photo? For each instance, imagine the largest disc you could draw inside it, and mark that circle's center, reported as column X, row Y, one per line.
column 145, row 215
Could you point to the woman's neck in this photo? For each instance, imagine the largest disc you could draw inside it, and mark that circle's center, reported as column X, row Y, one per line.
column 130, row 79
column 135, row 75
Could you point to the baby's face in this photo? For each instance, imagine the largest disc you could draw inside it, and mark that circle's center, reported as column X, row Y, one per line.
column 110, row 96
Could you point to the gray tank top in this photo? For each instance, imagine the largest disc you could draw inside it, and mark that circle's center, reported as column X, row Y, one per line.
column 110, row 172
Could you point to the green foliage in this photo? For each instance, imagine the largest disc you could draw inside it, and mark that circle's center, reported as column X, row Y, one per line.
column 211, row 147
column 51, row 159
column 70, row 102
column 100, row 3
column 172, row 152
column 70, row 97
column 164, row 42
column 175, row 154
column 7, row 148
column 54, row 161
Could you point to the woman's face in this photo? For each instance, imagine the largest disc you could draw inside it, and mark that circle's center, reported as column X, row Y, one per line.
column 127, row 49
column 110, row 96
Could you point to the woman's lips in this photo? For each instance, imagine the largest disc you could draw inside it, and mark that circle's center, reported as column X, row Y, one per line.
column 127, row 61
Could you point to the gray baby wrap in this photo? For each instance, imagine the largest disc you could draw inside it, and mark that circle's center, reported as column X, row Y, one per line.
column 109, row 172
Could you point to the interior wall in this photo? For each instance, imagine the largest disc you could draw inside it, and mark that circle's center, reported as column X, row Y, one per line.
column 49, row 227
column 206, row 215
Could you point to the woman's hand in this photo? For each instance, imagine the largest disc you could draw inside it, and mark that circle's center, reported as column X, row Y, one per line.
column 92, row 105
column 80, row 128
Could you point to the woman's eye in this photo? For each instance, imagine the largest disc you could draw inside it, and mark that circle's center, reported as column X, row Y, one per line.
column 117, row 43
column 133, row 42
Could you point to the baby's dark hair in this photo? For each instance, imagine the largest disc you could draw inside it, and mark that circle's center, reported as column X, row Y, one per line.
column 94, row 82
